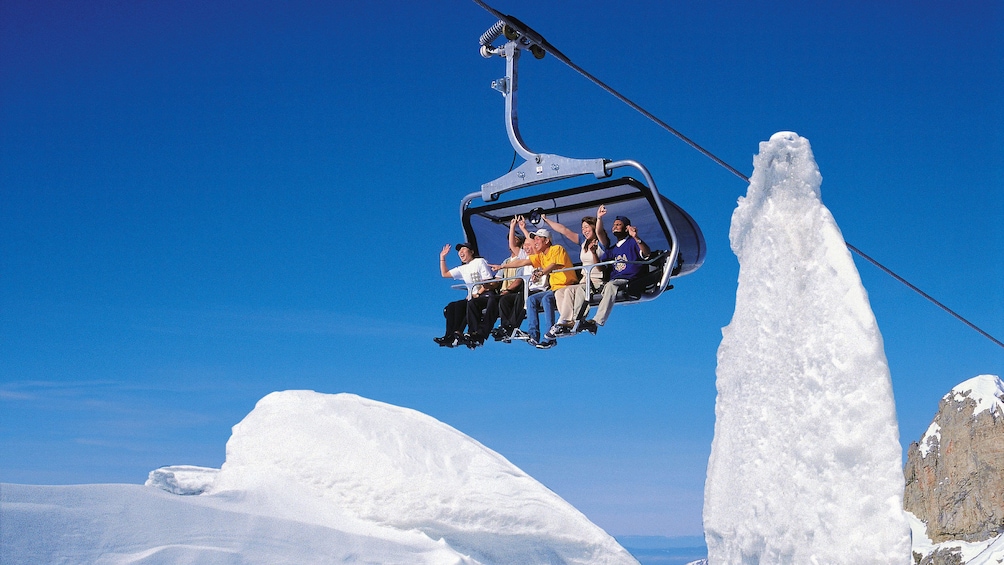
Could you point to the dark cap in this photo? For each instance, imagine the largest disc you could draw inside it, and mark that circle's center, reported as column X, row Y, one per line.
column 465, row 244
column 624, row 219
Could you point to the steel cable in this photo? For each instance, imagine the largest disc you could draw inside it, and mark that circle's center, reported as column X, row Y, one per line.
column 538, row 39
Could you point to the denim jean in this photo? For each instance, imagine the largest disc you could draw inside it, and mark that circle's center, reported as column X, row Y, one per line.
column 534, row 304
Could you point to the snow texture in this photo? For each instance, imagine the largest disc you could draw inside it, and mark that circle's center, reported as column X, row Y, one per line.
column 806, row 464
column 313, row 478
column 931, row 438
column 404, row 469
column 138, row 525
column 986, row 552
column 182, row 479
column 986, row 390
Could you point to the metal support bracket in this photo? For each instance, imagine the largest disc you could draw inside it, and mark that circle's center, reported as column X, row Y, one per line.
column 543, row 167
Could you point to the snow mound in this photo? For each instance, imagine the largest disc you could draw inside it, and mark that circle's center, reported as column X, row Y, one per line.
column 400, row 468
column 805, row 464
column 182, row 479
column 313, row 478
column 986, row 390
column 136, row 525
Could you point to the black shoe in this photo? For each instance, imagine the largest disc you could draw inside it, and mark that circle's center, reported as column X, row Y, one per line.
column 473, row 341
column 588, row 326
column 546, row 344
column 500, row 333
column 449, row 341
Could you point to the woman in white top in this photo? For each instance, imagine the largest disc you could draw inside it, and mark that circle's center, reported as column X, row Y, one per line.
column 577, row 299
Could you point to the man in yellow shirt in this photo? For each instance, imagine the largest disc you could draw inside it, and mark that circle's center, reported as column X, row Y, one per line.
column 548, row 260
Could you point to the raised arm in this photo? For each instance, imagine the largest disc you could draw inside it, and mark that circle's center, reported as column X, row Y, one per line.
column 513, row 243
column 522, row 226
column 560, row 228
column 442, row 262
column 642, row 246
column 601, row 234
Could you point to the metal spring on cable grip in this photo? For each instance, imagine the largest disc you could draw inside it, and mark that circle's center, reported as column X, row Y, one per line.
column 492, row 34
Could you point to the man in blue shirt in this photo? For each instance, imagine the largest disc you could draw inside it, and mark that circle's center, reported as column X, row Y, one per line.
column 629, row 247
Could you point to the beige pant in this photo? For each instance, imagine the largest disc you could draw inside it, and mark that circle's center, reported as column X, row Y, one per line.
column 607, row 302
column 569, row 300
column 580, row 307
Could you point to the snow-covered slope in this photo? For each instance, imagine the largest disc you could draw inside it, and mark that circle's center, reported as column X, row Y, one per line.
column 805, row 465
column 987, row 391
column 986, row 552
column 314, row 478
column 134, row 524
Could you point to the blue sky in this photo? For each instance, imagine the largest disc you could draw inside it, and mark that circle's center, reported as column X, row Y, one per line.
column 201, row 203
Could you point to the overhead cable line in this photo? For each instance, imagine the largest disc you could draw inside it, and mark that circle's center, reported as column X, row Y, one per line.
column 534, row 37
column 924, row 294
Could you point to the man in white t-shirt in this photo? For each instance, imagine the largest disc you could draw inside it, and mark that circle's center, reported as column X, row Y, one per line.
column 472, row 271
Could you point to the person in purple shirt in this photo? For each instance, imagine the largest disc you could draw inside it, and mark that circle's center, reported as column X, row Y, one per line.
column 629, row 247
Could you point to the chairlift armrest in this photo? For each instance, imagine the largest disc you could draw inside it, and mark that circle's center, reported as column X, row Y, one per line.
column 465, row 286
column 656, row 255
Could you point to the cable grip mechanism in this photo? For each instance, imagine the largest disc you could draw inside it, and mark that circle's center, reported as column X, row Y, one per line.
column 512, row 34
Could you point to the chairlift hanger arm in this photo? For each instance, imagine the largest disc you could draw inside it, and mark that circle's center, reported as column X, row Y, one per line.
column 538, row 167
column 543, row 168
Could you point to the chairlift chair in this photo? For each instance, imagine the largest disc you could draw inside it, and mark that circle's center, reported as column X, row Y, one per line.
column 553, row 185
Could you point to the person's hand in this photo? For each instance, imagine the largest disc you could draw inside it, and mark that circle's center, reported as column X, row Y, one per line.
column 521, row 221
column 593, row 243
column 445, row 251
column 512, row 222
column 632, row 231
column 601, row 211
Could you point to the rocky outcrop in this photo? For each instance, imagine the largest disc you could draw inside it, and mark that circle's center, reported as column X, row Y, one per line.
column 951, row 556
column 955, row 473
